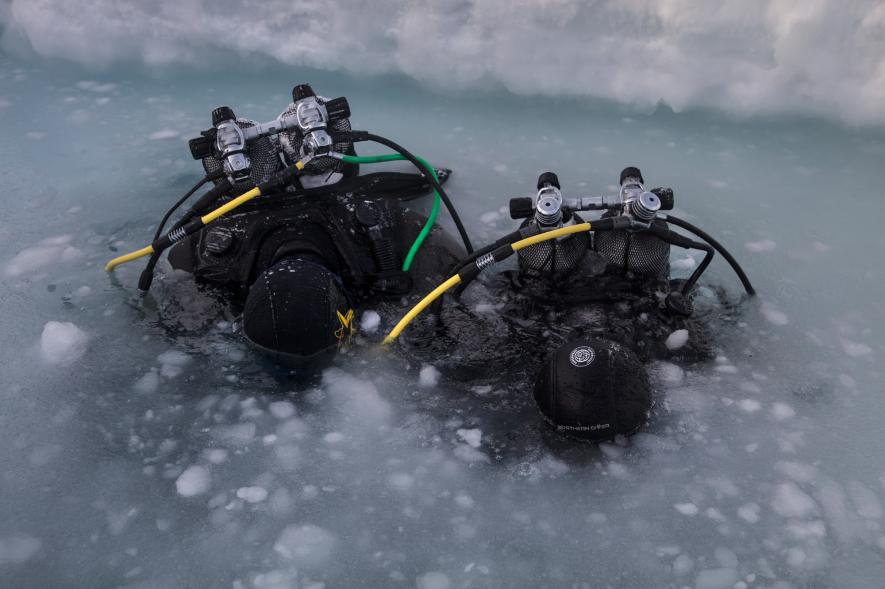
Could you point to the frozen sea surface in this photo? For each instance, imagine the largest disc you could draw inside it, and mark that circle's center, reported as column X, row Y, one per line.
column 143, row 446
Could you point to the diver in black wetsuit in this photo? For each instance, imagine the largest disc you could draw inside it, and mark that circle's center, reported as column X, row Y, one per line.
column 582, row 313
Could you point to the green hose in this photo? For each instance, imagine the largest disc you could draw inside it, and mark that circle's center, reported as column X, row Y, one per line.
column 431, row 218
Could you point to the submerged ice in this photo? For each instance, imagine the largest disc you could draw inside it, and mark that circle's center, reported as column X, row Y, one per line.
column 144, row 445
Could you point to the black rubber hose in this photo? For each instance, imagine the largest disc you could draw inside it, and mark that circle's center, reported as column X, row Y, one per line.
column 719, row 248
column 359, row 135
column 147, row 275
column 174, row 207
column 678, row 240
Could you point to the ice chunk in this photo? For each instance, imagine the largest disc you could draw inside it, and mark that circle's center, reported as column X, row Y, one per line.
column 470, row 454
column 163, row 134
column 749, row 513
column 172, row 363
column 148, row 383
column 765, row 245
column 195, row 480
column 781, row 411
column 682, row 564
column 689, row 509
column 749, row 405
column 677, row 339
column 62, row 343
column 356, row 398
column 252, row 494
column 473, row 437
column 773, row 315
column 790, row 501
column 282, row 409
column 433, row 580
column 865, row 500
column 306, row 545
column 370, row 321
column 18, row 549
column 428, row 376
column 401, row 481
column 723, row 578
column 51, row 249
column 669, row 373
column 856, row 349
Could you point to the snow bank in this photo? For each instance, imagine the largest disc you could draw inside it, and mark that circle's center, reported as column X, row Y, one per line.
column 631, row 52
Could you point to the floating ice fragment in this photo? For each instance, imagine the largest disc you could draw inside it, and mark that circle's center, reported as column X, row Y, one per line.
column 18, row 549
column 473, row 437
column 334, row 438
column 782, row 411
column 172, row 363
column 464, row 501
column 148, row 383
column 401, row 481
column 686, row 263
column 428, row 376
column 252, row 494
column 765, row 245
column 433, row 580
column 195, row 480
column 689, row 509
column 749, row 405
column 773, row 315
column 790, row 501
column 670, row 373
column 282, row 409
column 723, row 578
column 682, row 564
column 749, row 513
column 726, row 557
column 306, row 545
column 370, row 321
column 677, row 339
column 163, row 134
column 856, row 349
column 469, row 454
column 49, row 250
column 490, row 217
column 717, row 184
column 62, row 343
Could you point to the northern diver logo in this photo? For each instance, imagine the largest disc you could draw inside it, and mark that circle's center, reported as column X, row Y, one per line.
column 346, row 321
column 582, row 356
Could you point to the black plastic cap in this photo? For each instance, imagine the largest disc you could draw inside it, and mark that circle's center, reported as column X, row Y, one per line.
column 666, row 197
column 548, row 178
column 201, row 147
column 222, row 113
column 521, row 207
column 630, row 172
column 338, row 109
column 302, row 91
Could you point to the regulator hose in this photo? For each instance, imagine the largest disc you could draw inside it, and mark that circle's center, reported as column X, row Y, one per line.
column 434, row 211
column 281, row 178
column 718, row 246
column 471, row 269
column 366, row 136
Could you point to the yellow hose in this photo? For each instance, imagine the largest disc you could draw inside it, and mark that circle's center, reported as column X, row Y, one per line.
column 547, row 235
column 422, row 304
column 229, row 206
column 206, row 219
column 145, row 251
column 442, row 288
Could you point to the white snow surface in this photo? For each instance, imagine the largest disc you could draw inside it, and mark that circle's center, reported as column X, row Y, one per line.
column 637, row 53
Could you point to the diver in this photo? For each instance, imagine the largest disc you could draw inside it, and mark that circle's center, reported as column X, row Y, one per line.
column 588, row 305
column 301, row 241
column 294, row 236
